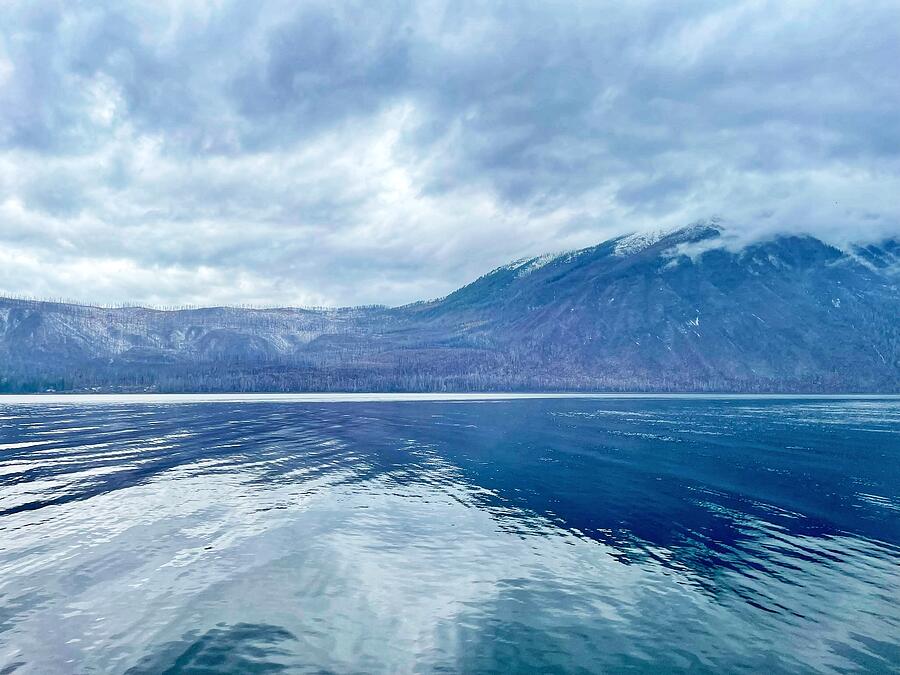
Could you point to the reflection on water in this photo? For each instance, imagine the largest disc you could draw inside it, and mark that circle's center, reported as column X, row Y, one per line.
column 244, row 648
column 535, row 535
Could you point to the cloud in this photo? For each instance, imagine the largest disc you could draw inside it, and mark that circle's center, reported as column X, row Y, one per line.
column 343, row 153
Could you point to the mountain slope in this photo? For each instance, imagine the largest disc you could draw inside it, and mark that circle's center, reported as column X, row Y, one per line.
column 669, row 311
column 792, row 311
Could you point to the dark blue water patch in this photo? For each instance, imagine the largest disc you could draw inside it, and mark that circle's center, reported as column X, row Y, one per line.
column 243, row 648
column 710, row 517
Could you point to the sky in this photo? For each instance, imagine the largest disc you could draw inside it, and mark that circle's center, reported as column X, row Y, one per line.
column 343, row 153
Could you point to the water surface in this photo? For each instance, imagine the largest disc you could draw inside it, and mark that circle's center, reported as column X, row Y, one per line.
column 493, row 535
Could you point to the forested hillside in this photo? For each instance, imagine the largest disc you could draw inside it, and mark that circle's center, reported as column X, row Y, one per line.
column 677, row 311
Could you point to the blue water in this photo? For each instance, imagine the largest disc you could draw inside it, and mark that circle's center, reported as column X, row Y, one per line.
column 535, row 535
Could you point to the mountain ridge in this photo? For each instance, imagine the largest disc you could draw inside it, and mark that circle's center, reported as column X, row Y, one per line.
column 671, row 311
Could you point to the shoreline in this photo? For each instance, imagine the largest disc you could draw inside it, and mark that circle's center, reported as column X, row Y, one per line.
column 375, row 397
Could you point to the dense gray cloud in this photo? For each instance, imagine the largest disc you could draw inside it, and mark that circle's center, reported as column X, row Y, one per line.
column 358, row 152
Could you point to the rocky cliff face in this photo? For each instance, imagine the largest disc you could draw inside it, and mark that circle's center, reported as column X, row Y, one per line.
column 682, row 310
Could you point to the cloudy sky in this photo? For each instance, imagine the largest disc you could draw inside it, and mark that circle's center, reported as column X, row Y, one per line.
column 345, row 153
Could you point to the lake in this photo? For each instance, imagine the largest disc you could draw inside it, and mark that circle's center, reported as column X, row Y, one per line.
column 449, row 534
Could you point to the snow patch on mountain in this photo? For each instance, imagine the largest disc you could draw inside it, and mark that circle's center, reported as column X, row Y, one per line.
column 880, row 259
column 525, row 266
column 537, row 263
column 640, row 241
column 637, row 242
column 516, row 264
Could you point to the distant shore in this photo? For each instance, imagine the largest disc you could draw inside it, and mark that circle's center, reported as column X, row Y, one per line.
column 76, row 398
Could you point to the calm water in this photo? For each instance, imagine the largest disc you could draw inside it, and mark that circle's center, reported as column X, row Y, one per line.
column 535, row 535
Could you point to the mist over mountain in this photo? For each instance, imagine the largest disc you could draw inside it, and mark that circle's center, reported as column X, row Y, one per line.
column 672, row 311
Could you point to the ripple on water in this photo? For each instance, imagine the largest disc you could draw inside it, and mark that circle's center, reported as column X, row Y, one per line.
column 565, row 535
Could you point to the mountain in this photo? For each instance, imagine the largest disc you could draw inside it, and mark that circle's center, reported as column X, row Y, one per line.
column 685, row 310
